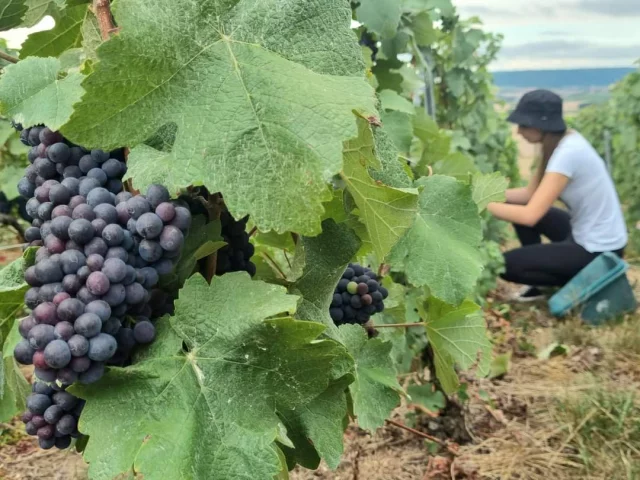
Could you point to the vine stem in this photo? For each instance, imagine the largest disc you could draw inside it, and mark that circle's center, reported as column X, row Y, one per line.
column 423, row 435
column 102, row 9
column 400, row 325
column 274, row 264
column 8, row 58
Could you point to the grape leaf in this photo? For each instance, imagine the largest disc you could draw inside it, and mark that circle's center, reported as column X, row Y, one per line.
column 380, row 16
column 210, row 413
column 91, row 36
column 394, row 171
column 457, row 335
column 390, row 100
column 376, row 391
column 398, row 126
column 31, row 92
column 261, row 101
column 37, row 9
column 317, row 428
column 423, row 30
column 427, row 397
column 202, row 240
column 386, row 212
column 489, row 188
column 11, row 13
column 14, row 388
column 10, row 175
column 457, row 165
column 66, row 34
column 12, row 290
column 441, row 249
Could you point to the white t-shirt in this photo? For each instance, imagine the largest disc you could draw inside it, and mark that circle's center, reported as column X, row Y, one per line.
column 597, row 221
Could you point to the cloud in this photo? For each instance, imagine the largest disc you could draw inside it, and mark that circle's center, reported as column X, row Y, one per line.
column 554, row 49
column 614, row 8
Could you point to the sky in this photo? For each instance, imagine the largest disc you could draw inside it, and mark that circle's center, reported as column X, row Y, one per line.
column 539, row 34
column 552, row 34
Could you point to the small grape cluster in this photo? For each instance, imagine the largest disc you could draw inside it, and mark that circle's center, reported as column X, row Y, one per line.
column 357, row 296
column 367, row 40
column 102, row 251
column 236, row 255
column 52, row 415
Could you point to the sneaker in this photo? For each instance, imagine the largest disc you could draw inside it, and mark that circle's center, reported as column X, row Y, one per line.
column 529, row 294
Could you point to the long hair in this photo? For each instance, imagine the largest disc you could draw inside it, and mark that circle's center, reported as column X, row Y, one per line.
column 550, row 141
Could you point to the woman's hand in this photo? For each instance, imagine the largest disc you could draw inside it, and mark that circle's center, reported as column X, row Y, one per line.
column 542, row 200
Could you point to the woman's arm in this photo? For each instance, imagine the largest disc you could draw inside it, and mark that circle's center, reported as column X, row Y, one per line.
column 518, row 196
column 541, row 201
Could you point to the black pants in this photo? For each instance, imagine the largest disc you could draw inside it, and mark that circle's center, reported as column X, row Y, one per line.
column 551, row 264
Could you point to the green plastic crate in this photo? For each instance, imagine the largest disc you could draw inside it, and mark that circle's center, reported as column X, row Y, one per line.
column 600, row 292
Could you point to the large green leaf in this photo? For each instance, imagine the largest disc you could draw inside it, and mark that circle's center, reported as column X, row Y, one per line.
column 376, row 391
column 386, row 212
column 31, row 92
column 423, row 30
column 209, row 413
column 441, row 249
column 457, row 165
column 489, row 188
column 261, row 101
column 11, row 13
column 391, row 100
column 380, row 16
column 458, row 336
column 66, row 34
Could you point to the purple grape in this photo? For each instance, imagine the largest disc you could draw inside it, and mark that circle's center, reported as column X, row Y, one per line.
column 87, row 163
column 54, row 244
column 88, row 325
column 57, row 354
column 106, row 212
column 25, row 326
column 78, row 345
column 99, row 175
column 95, row 262
column 98, row 196
column 64, row 331
column 83, row 211
column 48, row 271
column 46, row 375
column 23, row 352
column 102, row 347
column 72, row 261
column 59, row 195
column 182, row 219
column 67, row 376
column 113, row 168
column 71, row 284
column 149, row 225
column 115, row 270
column 98, row 283
column 60, row 227
column 166, row 211
column 76, row 201
column 95, row 373
column 117, row 252
column 86, row 296
column 46, row 313
column 70, row 309
column 59, row 152
column 137, row 206
column 135, row 294
column 171, row 239
column 98, row 226
column 99, row 308
column 144, row 332
column 113, row 235
column 72, row 184
column 150, row 251
column 97, row 246
column 87, row 184
column 116, row 295
column 157, row 194
column 44, row 211
column 80, row 364
column 72, row 171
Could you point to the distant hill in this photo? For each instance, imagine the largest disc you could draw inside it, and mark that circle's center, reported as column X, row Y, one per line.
column 560, row 79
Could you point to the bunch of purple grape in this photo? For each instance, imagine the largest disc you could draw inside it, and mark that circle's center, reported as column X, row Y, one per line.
column 52, row 415
column 101, row 252
column 236, row 255
column 357, row 296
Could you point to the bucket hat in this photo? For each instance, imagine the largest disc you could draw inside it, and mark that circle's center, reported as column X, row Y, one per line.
column 539, row 109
